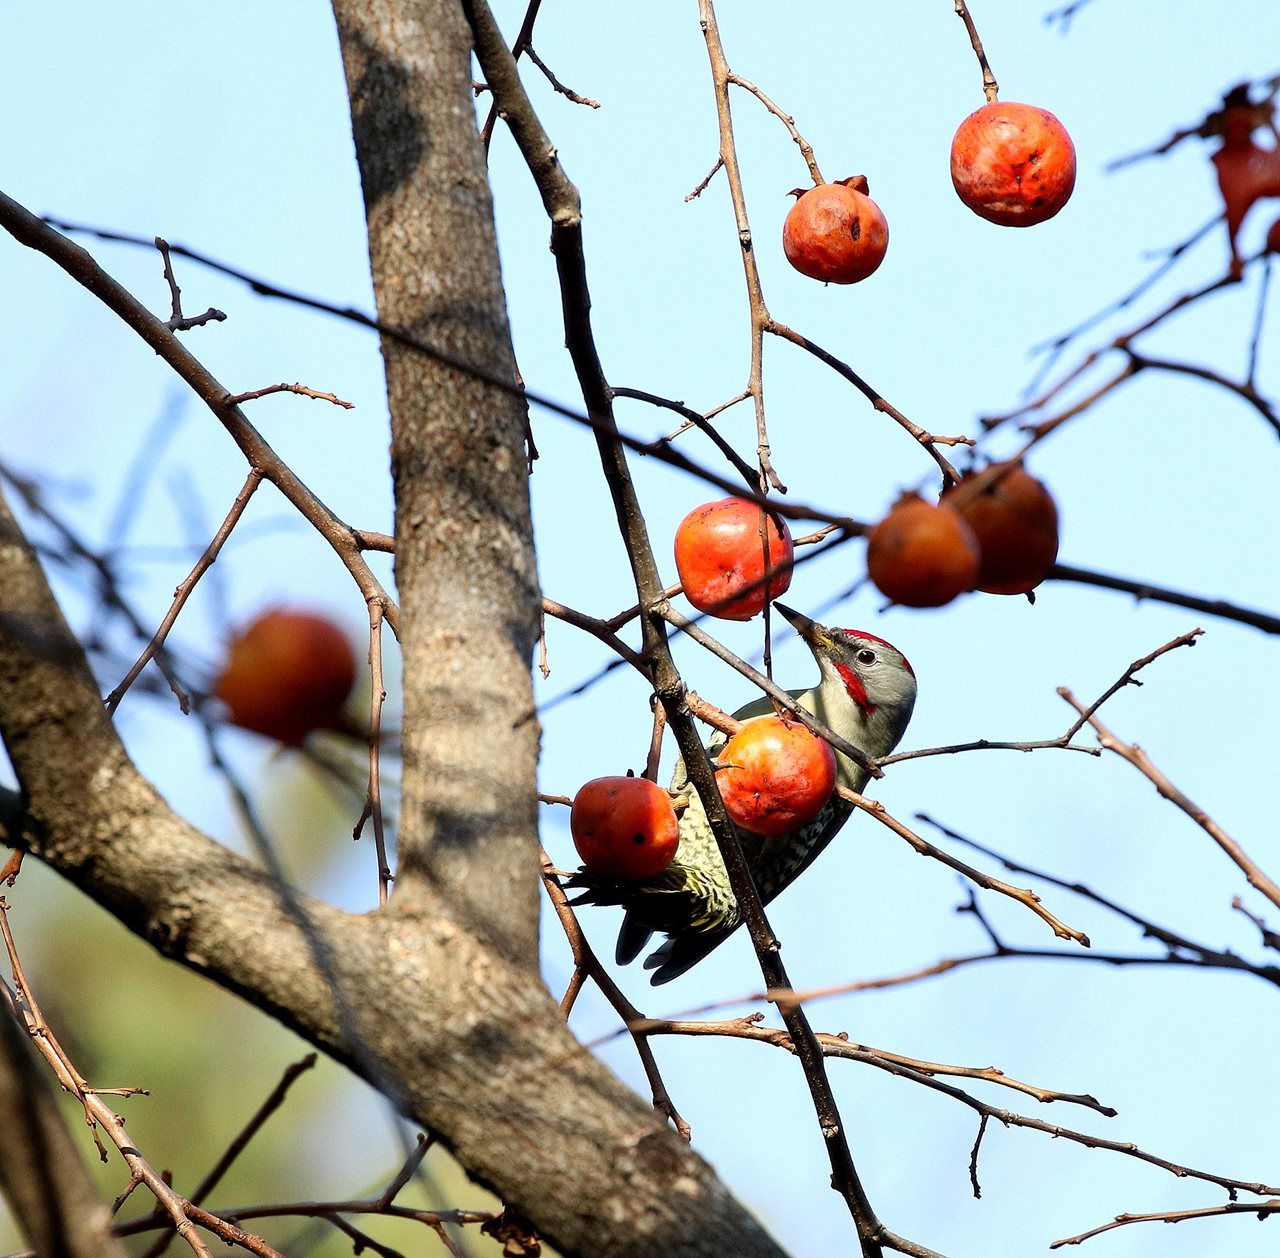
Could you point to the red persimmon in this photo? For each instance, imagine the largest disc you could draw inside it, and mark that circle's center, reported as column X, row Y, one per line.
column 720, row 556
column 835, row 232
column 1015, row 521
column 624, row 827
column 775, row 775
column 287, row 674
column 1013, row 164
column 922, row 554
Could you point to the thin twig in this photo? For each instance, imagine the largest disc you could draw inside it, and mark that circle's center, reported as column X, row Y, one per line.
column 1053, row 349
column 929, row 441
column 694, row 420
column 178, row 322
column 300, row 389
column 806, row 149
column 1023, row 895
column 237, row 1146
column 186, row 586
column 990, row 88
column 555, row 82
column 760, row 317
column 1261, row 1210
column 587, row 964
column 1135, row 755
column 705, row 182
column 1143, row 590
column 183, row 1214
column 108, row 585
column 837, row 1047
column 1064, row 15
column 36, row 234
column 1259, row 318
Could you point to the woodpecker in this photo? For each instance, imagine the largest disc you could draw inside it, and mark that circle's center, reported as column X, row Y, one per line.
column 865, row 693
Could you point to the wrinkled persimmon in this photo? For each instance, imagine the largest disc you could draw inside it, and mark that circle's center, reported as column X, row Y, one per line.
column 721, row 557
column 1013, row 164
column 835, row 232
column 624, row 827
column 922, row 554
column 775, row 775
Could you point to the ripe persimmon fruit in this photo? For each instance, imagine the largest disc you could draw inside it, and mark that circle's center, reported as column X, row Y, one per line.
column 775, row 775
column 1015, row 521
column 1013, row 164
column 624, row 827
column 721, row 557
column 286, row 674
column 922, row 554
column 835, row 232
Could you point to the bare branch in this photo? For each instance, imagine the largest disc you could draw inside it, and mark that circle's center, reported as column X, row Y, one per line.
column 990, row 88
column 186, row 586
column 1134, row 754
column 177, row 321
column 560, row 87
column 588, row 966
column 300, row 389
column 806, row 149
column 1261, row 1210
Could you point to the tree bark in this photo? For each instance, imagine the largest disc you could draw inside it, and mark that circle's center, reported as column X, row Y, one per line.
column 464, row 543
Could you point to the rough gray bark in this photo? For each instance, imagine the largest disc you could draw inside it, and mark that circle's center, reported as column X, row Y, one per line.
column 464, row 559
column 41, row 1170
column 435, row 999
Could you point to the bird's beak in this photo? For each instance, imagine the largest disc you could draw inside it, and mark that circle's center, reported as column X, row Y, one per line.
column 809, row 630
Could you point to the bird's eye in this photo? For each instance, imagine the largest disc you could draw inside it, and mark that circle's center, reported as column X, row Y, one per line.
column 866, row 656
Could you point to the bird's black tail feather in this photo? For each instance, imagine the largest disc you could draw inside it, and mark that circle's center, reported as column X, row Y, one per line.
column 682, row 952
column 666, row 904
column 633, row 936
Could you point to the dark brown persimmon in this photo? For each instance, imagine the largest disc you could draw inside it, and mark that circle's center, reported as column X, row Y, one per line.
column 775, row 775
column 1015, row 521
column 624, row 827
column 922, row 554
column 835, row 232
column 720, row 556
column 1013, row 164
column 287, row 674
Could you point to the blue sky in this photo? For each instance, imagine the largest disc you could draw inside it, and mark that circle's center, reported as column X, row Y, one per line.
column 229, row 133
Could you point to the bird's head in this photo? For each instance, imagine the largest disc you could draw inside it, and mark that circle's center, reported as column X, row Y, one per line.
column 868, row 688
